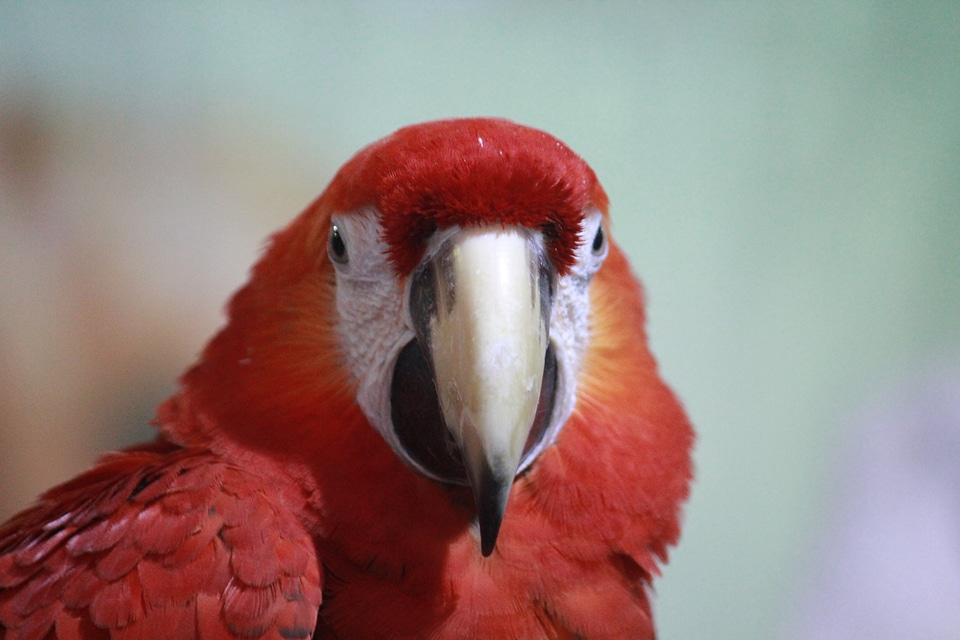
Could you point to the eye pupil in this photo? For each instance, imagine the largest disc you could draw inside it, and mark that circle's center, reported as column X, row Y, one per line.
column 598, row 239
column 338, row 248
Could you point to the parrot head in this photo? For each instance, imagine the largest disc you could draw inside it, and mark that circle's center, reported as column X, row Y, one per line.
column 441, row 287
column 465, row 232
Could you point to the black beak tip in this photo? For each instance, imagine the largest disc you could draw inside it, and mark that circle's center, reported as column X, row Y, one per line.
column 491, row 496
column 488, row 536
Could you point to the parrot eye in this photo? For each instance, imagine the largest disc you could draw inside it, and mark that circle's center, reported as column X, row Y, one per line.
column 599, row 241
column 338, row 248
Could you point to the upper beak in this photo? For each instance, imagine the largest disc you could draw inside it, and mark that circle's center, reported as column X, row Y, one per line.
column 482, row 317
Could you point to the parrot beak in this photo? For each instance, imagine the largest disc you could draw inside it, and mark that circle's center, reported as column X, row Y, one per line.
column 485, row 327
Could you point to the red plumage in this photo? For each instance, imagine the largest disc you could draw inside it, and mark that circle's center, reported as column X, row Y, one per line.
column 469, row 172
column 159, row 538
column 268, row 484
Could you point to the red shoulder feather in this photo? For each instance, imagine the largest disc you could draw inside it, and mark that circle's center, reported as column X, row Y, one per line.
column 158, row 542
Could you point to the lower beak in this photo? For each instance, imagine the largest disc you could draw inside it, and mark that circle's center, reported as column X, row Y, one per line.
column 481, row 307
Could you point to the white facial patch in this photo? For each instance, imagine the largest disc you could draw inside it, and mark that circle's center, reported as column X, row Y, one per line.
column 374, row 324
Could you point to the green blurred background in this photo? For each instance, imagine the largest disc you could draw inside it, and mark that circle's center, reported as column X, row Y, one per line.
column 784, row 176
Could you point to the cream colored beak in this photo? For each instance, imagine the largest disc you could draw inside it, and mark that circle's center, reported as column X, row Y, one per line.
column 487, row 336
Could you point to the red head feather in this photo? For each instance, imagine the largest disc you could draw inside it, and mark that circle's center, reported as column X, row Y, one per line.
column 467, row 172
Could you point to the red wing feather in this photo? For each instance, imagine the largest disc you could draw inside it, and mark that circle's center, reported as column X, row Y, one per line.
column 158, row 542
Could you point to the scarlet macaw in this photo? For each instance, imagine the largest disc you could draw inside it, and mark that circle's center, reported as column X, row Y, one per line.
column 432, row 413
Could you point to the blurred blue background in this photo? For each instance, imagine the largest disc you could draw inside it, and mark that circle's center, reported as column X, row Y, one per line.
column 784, row 176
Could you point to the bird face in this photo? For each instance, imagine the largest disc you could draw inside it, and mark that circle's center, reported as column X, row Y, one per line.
column 442, row 282
column 467, row 365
